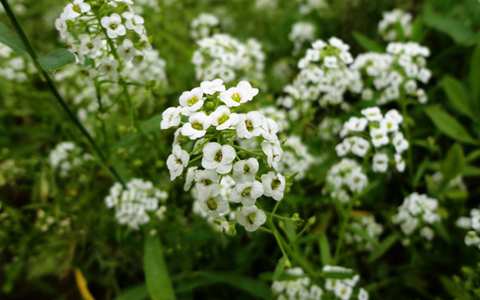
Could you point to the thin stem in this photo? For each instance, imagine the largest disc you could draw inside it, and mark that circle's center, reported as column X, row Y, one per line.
column 55, row 92
column 343, row 226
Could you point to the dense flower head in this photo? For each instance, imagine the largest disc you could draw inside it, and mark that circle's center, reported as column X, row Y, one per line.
column 363, row 232
column 472, row 224
column 135, row 201
column 345, row 180
column 210, row 143
column 396, row 75
column 396, row 25
column 109, row 38
column 375, row 136
column 223, row 56
column 13, row 67
column 345, row 288
column 296, row 159
column 296, row 286
column 203, row 26
column 325, row 77
column 418, row 213
column 66, row 157
column 301, row 33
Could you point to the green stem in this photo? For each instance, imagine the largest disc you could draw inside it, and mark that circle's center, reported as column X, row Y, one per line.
column 56, row 94
column 343, row 226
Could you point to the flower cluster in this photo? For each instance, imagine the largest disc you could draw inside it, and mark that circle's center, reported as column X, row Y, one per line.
column 417, row 212
column 382, row 133
column 13, row 67
column 219, row 146
column 222, row 56
column 109, row 38
column 66, row 157
column 363, row 232
column 133, row 202
column 301, row 33
column 296, row 159
column 324, row 76
column 472, row 224
column 203, row 26
column 395, row 75
column 346, row 288
column 296, row 286
column 345, row 180
column 396, row 25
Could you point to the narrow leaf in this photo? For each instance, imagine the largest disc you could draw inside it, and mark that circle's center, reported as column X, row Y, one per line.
column 383, row 247
column 138, row 292
column 254, row 287
column 10, row 39
column 453, row 164
column 156, row 274
column 56, row 59
column 448, row 125
column 457, row 95
column 453, row 27
column 324, row 249
column 367, row 43
column 474, row 76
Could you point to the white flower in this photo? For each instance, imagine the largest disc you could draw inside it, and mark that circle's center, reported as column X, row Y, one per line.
column 273, row 151
column 400, row 143
column 380, row 162
column 214, row 206
column 134, row 22
column 189, row 178
column 372, row 114
column 240, row 94
column 113, row 25
column 212, row 87
column 244, row 170
column 126, row 50
column 177, row 161
column 75, row 9
column 360, row 146
column 170, row 118
column 247, row 193
column 218, row 157
column 379, row 137
column 273, row 185
column 192, row 100
column 251, row 217
column 206, row 182
column 250, row 125
column 197, row 126
column 223, row 119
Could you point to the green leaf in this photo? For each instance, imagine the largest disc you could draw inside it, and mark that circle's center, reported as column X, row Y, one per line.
column 453, row 164
column 454, row 27
column 367, row 43
column 158, row 281
column 457, row 96
column 474, row 77
column 138, row 292
column 383, row 247
column 325, row 255
column 56, row 59
column 11, row 39
column 448, row 125
column 254, row 287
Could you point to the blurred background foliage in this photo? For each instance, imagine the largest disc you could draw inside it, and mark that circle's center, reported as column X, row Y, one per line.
column 50, row 227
